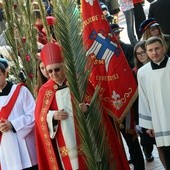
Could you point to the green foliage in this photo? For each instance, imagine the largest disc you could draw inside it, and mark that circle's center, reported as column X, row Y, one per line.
column 91, row 129
column 22, row 38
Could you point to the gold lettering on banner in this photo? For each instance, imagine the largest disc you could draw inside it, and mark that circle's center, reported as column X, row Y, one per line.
column 103, row 17
column 96, row 61
column 107, row 78
column 90, row 20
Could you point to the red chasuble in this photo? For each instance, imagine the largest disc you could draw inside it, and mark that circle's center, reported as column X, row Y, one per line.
column 45, row 151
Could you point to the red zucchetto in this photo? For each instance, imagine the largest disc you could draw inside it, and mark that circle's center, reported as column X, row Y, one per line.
column 51, row 53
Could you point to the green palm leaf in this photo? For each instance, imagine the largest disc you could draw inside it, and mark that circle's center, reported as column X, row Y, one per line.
column 20, row 24
column 91, row 129
column 67, row 30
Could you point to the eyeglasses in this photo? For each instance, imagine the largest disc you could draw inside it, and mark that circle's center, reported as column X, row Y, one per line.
column 116, row 33
column 142, row 53
column 56, row 70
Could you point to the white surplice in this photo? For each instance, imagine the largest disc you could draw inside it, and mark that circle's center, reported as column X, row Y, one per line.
column 154, row 101
column 17, row 150
column 63, row 98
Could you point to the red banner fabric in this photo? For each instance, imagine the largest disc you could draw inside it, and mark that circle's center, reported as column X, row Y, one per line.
column 110, row 69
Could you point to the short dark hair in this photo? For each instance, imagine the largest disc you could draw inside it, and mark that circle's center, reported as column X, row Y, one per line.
column 154, row 39
column 2, row 68
column 4, row 61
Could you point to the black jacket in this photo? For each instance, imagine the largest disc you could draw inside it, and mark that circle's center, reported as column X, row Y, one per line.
column 160, row 10
column 128, row 51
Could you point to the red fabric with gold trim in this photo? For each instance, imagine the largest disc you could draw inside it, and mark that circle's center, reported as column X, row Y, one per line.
column 63, row 149
column 114, row 144
column 45, row 152
column 110, row 68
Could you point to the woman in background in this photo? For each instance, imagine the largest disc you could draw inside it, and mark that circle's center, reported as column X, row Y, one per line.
column 42, row 75
column 150, row 28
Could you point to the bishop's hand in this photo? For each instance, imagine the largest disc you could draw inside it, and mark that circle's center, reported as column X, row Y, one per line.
column 83, row 107
column 60, row 115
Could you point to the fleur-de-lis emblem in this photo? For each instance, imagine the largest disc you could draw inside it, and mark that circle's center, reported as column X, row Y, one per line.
column 115, row 96
column 116, row 100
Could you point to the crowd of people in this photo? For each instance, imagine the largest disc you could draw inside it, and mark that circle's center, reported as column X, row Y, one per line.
column 151, row 31
column 42, row 133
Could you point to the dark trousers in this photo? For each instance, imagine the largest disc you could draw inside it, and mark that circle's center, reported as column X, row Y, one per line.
column 147, row 142
column 134, row 150
column 150, row 1
column 139, row 18
column 166, row 153
column 35, row 167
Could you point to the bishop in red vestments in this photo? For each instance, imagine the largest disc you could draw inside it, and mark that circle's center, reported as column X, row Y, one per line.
column 56, row 135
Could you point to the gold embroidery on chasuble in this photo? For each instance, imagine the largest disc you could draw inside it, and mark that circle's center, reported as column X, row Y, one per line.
column 71, row 152
column 45, row 131
column 63, row 151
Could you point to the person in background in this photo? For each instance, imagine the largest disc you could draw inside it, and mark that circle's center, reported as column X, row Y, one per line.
column 4, row 61
column 139, row 16
column 128, row 131
column 147, row 143
column 113, row 8
column 42, row 37
column 161, row 17
column 42, row 75
column 150, row 28
column 154, row 94
column 17, row 140
column 48, row 7
column 127, row 8
column 127, row 48
column 106, row 12
column 140, row 56
column 54, row 117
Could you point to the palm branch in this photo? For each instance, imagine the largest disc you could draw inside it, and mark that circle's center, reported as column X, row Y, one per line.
column 67, row 30
column 92, row 132
column 22, row 38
